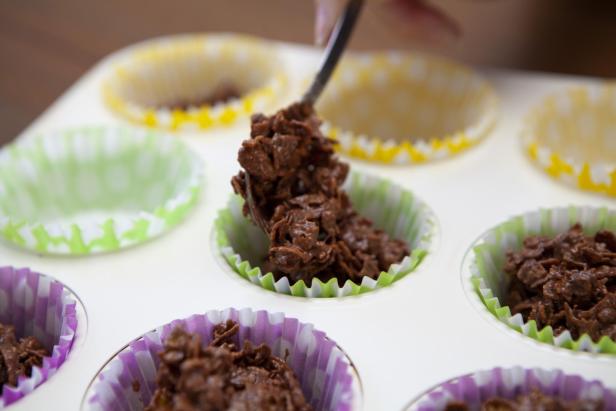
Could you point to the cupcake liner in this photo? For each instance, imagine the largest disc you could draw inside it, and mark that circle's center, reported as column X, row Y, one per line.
column 509, row 383
column 41, row 307
column 571, row 135
column 321, row 367
column 94, row 189
column 191, row 67
column 399, row 108
column 395, row 210
column 489, row 282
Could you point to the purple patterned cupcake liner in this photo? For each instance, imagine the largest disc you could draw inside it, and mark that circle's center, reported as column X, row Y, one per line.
column 323, row 370
column 39, row 306
column 473, row 389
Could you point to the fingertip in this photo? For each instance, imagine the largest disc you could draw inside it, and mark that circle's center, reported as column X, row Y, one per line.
column 326, row 13
column 421, row 18
column 319, row 33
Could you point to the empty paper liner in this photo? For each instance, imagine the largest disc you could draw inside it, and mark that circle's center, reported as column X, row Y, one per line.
column 94, row 189
column 194, row 82
column 571, row 135
column 401, row 108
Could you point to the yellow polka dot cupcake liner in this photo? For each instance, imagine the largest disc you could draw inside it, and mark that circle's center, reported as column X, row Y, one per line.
column 400, row 108
column 167, row 83
column 571, row 135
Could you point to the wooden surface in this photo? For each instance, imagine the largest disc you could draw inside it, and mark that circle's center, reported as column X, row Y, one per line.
column 46, row 45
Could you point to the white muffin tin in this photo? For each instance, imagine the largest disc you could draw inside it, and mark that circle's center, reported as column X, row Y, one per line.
column 403, row 339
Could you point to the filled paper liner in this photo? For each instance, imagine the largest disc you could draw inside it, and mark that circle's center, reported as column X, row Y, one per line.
column 571, row 135
column 391, row 208
column 94, row 189
column 323, row 370
column 400, row 108
column 474, row 389
column 142, row 85
column 38, row 306
column 489, row 281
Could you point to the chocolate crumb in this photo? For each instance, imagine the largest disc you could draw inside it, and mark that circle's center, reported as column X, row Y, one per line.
column 296, row 181
column 535, row 400
column 220, row 376
column 17, row 357
column 223, row 93
column 567, row 282
column 135, row 386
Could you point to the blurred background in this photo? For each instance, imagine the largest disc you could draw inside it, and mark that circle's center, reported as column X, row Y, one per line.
column 46, row 45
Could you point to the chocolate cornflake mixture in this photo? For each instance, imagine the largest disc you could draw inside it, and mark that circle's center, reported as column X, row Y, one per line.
column 296, row 184
column 534, row 401
column 18, row 356
column 223, row 93
column 567, row 282
column 222, row 377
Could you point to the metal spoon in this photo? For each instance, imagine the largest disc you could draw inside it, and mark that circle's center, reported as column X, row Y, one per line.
column 335, row 47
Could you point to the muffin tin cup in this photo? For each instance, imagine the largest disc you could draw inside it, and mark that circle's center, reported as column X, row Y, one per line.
column 571, row 135
column 190, row 67
column 480, row 386
column 399, row 108
column 322, row 368
column 488, row 280
column 393, row 209
column 39, row 306
column 94, row 189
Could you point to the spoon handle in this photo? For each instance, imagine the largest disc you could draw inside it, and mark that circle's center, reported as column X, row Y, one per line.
column 335, row 46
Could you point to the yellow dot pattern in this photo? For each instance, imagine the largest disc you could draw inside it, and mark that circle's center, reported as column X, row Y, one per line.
column 187, row 68
column 571, row 135
column 405, row 108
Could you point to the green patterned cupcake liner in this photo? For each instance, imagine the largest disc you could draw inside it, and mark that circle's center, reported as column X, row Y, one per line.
column 392, row 208
column 94, row 189
column 489, row 282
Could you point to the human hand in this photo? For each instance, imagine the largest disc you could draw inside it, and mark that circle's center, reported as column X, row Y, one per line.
column 414, row 18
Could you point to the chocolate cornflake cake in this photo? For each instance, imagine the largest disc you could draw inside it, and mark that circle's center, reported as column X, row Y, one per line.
column 220, row 376
column 534, row 401
column 296, row 182
column 18, row 356
column 567, row 282
column 223, row 93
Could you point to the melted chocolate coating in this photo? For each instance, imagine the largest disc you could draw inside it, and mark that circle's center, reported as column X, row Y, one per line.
column 296, row 184
column 17, row 357
column 222, row 377
column 534, row 401
column 567, row 282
